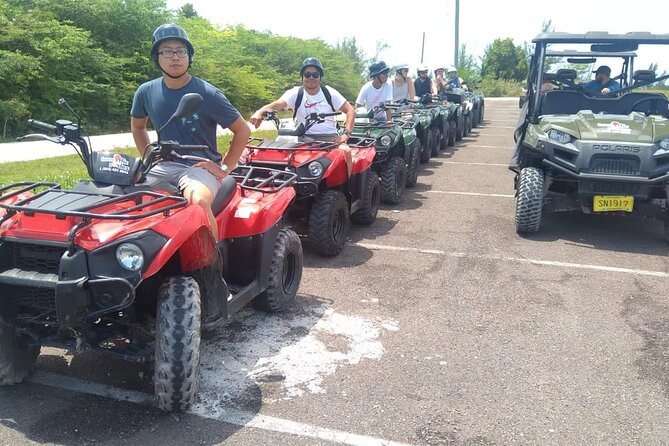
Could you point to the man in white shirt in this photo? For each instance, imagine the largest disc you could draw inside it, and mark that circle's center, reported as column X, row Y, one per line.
column 313, row 98
column 377, row 91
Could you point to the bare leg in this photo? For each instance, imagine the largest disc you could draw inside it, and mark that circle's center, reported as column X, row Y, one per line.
column 348, row 156
column 200, row 195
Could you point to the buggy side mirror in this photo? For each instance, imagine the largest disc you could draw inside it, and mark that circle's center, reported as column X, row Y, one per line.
column 521, row 101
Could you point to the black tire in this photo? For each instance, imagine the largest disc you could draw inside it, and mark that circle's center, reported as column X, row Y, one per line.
column 176, row 375
column 17, row 355
column 481, row 112
column 285, row 274
column 445, row 135
column 459, row 132
column 425, row 148
column 529, row 200
column 470, row 125
column 466, row 129
column 436, row 141
column 412, row 169
column 369, row 206
column 328, row 223
column 393, row 180
column 451, row 134
column 475, row 118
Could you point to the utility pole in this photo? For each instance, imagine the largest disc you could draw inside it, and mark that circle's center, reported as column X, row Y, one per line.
column 457, row 32
column 422, row 50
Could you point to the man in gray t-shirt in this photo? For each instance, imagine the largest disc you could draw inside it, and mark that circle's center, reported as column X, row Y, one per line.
column 157, row 100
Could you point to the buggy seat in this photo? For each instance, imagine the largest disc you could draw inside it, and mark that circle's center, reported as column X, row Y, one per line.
column 570, row 102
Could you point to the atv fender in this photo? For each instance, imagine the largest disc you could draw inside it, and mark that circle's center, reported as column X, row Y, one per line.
column 358, row 185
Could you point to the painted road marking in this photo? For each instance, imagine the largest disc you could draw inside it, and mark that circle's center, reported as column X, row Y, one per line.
column 473, row 164
column 475, row 194
column 612, row 269
column 228, row 415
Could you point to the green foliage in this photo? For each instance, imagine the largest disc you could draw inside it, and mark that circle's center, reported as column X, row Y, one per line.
column 188, row 11
column 491, row 87
column 467, row 67
column 502, row 59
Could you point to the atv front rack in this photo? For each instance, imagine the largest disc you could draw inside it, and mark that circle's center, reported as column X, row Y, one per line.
column 69, row 203
column 270, row 144
column 262, row 179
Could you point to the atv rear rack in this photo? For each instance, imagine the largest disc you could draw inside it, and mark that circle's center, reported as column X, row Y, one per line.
column 68, row 203
column 262, row 179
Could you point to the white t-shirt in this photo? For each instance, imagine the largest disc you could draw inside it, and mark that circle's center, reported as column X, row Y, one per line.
column 370, row 97
column 315, row 104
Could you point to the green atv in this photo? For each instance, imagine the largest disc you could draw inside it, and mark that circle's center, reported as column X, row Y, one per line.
column 462, row 117
column 478, row 107
column 600, row 147
column 397, row 151
column 428, row 119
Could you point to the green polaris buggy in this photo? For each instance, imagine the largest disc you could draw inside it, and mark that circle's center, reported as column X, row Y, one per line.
column 598, row 147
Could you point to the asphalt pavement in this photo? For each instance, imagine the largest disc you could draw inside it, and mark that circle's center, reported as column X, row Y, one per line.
column 437, row 325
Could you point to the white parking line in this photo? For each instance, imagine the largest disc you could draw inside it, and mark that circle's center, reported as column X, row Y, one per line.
column 474, row 164
column 491, row 147
column 475, row 194
column 229, row 415
column 612, row 269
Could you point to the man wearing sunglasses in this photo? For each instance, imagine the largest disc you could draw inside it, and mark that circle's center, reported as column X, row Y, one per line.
column 157, row 100
column 312, row 97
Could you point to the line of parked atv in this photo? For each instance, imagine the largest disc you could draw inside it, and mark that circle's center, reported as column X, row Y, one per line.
column 386, row 158
column 128, row 268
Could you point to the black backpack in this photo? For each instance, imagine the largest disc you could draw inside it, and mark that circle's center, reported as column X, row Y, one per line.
column 300, row 96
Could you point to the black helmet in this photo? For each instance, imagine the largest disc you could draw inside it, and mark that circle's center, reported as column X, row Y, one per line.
column 311, row 62
column 378, row 68
column 170, row 31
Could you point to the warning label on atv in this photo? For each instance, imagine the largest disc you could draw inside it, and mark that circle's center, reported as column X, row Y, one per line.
column 615, row 127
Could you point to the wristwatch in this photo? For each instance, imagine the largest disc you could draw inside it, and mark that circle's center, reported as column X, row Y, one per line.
column 346, row 132
column 224, row 168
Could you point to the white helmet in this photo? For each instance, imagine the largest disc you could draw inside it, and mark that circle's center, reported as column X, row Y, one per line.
column 452, row 69
column 422, row 68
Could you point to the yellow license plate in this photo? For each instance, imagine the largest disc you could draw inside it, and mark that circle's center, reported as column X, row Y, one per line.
column 608, row 203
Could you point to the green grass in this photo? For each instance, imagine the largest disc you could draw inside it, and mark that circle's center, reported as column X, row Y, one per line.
column 67, row 170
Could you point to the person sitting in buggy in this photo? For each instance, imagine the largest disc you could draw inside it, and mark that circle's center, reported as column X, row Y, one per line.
column 602, row 84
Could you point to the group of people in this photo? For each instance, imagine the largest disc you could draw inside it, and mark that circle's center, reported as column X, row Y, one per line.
column 199, row 181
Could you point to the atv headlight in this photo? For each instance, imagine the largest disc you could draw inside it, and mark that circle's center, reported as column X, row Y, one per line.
column 130, row 256
column 665, row 143
column 559, row 136
column 385, row 140
column 315, row 169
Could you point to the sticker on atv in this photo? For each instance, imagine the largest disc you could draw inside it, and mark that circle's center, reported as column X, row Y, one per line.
column 615, row 127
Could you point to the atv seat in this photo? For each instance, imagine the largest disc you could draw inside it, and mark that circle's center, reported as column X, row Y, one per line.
column 568, row 102
column 224, row 194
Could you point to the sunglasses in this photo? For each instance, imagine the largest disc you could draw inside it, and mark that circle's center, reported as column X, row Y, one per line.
column 314, row 74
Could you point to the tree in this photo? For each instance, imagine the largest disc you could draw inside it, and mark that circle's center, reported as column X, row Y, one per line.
column 502, row 59
column 468, row 70
column 188, row 11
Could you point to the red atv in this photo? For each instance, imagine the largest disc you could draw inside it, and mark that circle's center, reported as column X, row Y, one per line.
column 326, row 194
column 129, row 269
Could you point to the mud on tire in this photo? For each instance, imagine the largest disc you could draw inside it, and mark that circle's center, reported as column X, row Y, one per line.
column 369, row 207
column 529, row 200
column 285, row 274
column 393, row 180
column 328, row 223
column 177, row 365
column 17, row 355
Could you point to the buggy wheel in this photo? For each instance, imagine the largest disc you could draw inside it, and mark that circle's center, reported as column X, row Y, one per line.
column 412, row 169
column 453, row 129
column 393, row 180
column 285, row 274
column 437, row 136
column 369, row 207
column 529, row 200
column 328, row 223
column 17, row 355
column 177, row 344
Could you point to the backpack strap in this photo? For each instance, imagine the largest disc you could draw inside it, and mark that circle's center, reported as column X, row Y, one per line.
column 300, row 96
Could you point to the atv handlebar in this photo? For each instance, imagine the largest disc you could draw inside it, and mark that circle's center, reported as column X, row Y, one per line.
column 42, row 125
